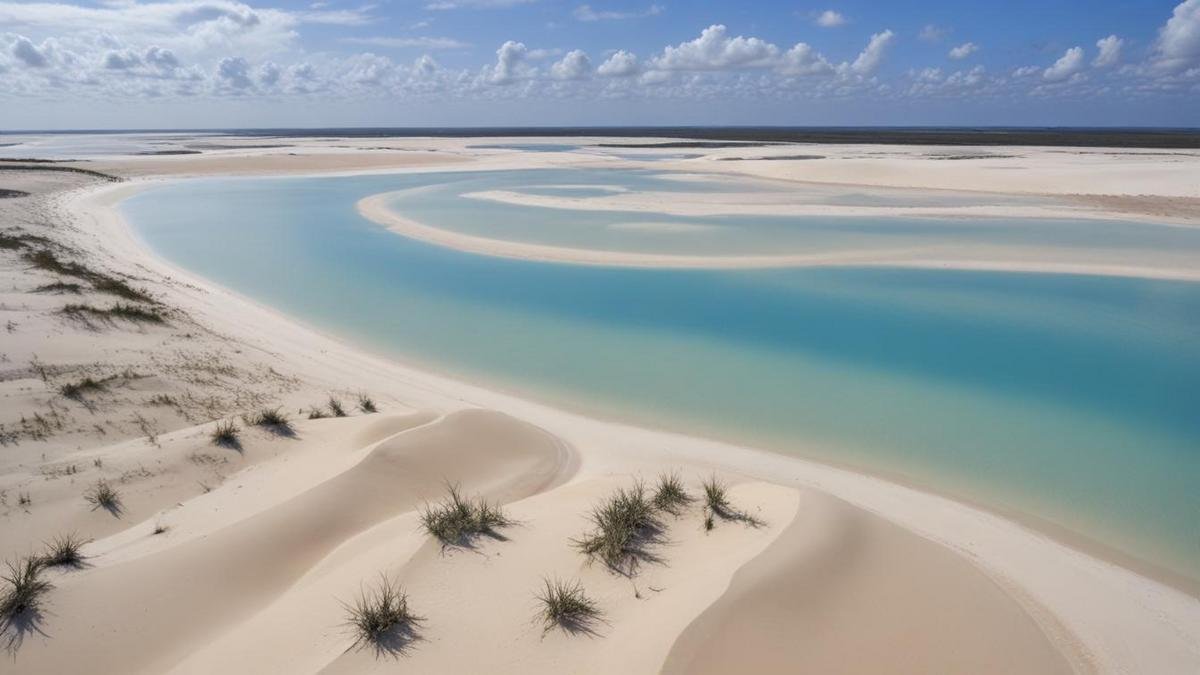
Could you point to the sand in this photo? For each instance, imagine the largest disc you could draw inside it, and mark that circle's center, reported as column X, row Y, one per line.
column 1106, row 262
column 262, row 545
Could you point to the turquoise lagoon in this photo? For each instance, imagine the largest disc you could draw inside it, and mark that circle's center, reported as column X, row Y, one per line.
column 1070, row 398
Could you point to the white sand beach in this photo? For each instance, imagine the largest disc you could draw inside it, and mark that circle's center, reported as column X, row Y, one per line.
column 241, row 559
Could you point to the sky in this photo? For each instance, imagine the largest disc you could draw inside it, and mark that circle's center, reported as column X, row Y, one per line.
column 227, row 63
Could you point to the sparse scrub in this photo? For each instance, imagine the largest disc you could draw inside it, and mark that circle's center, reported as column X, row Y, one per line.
column 457, row 519
column 367, row 404
column 64, row 551
column 316, row 414
column 382, row 618
column 163, row 400
column 59, row 288
column 119, row 288
column 622, row 524
column 670, row 495
column 271, row 418
column 24, row 588
column 225, row 434
column 159, row 528
column 715, row 498
column 23, row 499
column 716, row 503
column 336, row 408
column 566, row 606
column 132, row 313
column 76, row 390
column 103, row 495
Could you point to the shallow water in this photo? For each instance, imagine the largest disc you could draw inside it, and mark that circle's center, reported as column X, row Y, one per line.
column 1068, row 397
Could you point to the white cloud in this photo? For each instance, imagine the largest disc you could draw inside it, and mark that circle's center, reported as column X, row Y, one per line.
column 1110, row 51
column 574, row 66
column 408, row 42
column 802, row 59
column 963, row 51
column 1026, row 71
column 586, row 13
column 1178, row 44
column 872, row 56
column 1067, row 65
column 620, row 64
column 29, row 54
column 510, row 58
column 830, row 19
column 715, row 50
column 122, row 59
column 234, row 71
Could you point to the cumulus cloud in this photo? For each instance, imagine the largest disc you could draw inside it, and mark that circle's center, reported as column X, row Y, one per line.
column 830, row 19
column 234, row 71
column 574, row 66
column 715, row 50
column 620, row 64
column 872, row 56
column 586, row 13
column 123, row 59
column 1067, row 65
column 1110, row 51
column 1178, row 44
column 963, row 51
column 30, row 54
column 510, row 58
column 802, row 59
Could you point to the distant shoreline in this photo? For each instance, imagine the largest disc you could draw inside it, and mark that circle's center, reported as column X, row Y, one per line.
column 1084, row 137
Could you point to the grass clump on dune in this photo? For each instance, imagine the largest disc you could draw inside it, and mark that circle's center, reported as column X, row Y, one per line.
column 566, row 606
column 382, row 618
column 24, row 588
column 336, row 408
column 76, row 390
column 225, row 434
column 716, row 503
column 132, row 313
column 456, row 519
column 367, row 404
column 64, row 551
column 623, row 524
column 271, row 418
column 103, row 495
column 670, row 495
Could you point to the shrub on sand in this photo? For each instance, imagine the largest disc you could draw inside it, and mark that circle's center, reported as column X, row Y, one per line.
column 366, row 404
column 64, row 551
column 103, row 495
column 621, row 523
column 23, row 589
column 225, row 434
column 336, row 408
column 457, row 519
column 670, row 495
column 271, row 418
column 716, row 503
column 381, row 617
column 566, row 606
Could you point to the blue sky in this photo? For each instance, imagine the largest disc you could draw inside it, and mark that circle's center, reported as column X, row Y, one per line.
column 222, row 63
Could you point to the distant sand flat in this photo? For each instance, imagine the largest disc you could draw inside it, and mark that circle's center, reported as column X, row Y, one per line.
column 377, row 208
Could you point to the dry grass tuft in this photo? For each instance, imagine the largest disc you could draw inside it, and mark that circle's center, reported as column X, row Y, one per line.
column 566, row 606
column 456, row 520
column 103, row 495
column 624, row 524
column 382, row 619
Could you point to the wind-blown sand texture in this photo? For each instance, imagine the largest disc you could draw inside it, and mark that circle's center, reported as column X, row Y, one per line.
column 239, row 559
